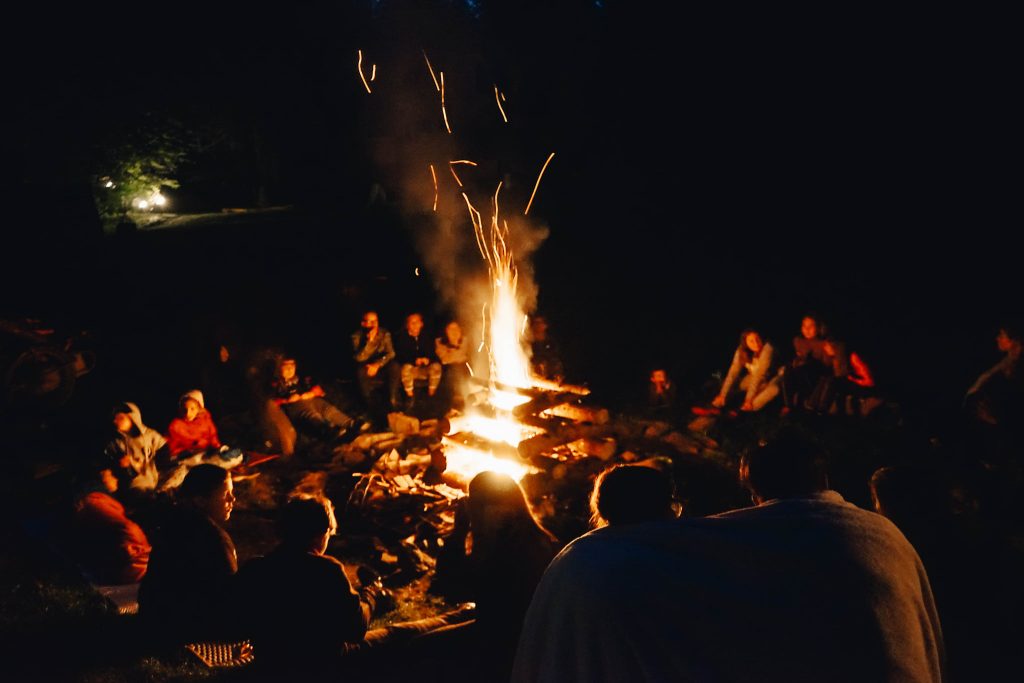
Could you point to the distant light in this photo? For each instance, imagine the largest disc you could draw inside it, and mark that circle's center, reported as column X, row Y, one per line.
column 417, row 271
column 142, row 204
column 109, row 183
column 159, row 200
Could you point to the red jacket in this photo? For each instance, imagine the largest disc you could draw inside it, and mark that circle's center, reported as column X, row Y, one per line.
column 198, row 435
column 113, row 548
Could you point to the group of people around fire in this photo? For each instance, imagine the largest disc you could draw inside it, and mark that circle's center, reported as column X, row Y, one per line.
column 801, row 586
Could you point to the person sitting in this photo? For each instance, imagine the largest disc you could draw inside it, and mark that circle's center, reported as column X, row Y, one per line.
column 997, row 397
column 311, row 614
column 111, row 548
column 509, row 551
column 632, row 494
column 192, row 438
column 808, row 365
column 849, row 388
column 416, row 359
column 185, row 594
column 372, row 352
column 661, row 391
column 452, row 350
column 545, row 359
column 134, row 452
column 801, row 587
column 303, row 402
column 754, row 355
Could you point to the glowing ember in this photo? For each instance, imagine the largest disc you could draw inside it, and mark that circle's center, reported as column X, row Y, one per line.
column 467, row 462
column 359, row 65
column 437, row 86
column 537, row 184
column 444, row 112
column 434, row 176
column 498, row 97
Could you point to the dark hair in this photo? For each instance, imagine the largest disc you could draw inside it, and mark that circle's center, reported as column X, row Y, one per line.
column 500, row 491
column 630, row 494
column 202, row 481
column 305, row 518
column 745, row 353
column 788, row 466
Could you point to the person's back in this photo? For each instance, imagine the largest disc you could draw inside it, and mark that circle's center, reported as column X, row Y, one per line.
column 306, row 612
column 795, row 590
column 802, row 587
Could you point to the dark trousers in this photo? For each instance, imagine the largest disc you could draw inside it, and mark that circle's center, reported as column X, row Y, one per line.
column 318, row 415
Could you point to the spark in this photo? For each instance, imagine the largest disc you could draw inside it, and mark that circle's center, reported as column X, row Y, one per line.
column 359, row 65
column 498, row 97
column 444, row 112
column 373, row 72
column 451, row 167
column 537, row 184
column 434, row 176
column 437, row 86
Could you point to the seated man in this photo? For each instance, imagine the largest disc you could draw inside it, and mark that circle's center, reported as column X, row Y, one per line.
column 285, row 623
column 304, row 404
column 997, row 396
column 185, row 595
column 416, row 359
column 802, row 587
column 373, row 352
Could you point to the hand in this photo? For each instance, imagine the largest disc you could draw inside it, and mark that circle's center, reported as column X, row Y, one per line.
column 124, row 461
column 317, row 391
column 747, row 406
column 422, row 361
column 371, row 370
column 294, row 398
column 372, row 334
column 718, row 401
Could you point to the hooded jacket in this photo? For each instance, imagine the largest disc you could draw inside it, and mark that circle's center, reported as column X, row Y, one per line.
column 195, row 436
column 135, row 453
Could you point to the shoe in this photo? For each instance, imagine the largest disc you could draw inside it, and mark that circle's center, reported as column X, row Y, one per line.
column 365, row 426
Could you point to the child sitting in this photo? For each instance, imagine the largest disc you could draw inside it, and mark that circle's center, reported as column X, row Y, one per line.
column 304, row 404
column 192, row 439
column 134, row 450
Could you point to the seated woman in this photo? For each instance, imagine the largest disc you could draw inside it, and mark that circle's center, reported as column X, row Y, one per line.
column 509, row 552
column 185, row 594
column 453, row 351
column 192, row 439
column 808, row 365
column 754, row 355
column 110, row 547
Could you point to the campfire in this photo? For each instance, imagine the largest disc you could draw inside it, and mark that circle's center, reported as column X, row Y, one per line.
column 516, row 417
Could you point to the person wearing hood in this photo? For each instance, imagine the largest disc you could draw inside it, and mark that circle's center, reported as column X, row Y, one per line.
column 192, row 439
column 134, row 450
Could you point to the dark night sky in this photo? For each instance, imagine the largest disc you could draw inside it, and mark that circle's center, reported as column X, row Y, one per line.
column 713, row 170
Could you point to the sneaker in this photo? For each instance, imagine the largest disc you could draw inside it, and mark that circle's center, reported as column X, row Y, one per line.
column 365, row 426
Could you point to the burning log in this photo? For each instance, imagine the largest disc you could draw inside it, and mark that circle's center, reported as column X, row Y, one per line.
column 603, row 449
column 578, row 413
column 563, row 434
